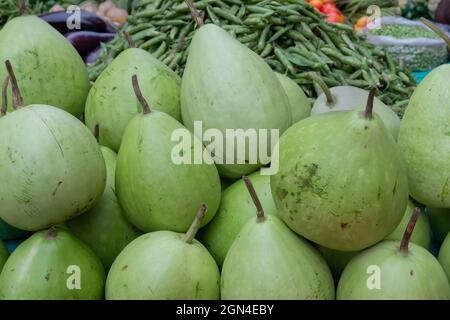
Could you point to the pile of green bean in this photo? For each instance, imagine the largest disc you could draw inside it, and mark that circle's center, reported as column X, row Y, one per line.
column 290, row 35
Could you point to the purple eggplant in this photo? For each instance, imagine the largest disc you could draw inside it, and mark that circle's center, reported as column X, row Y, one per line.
column 92, row 56
column 86, row 41
column 63, row 21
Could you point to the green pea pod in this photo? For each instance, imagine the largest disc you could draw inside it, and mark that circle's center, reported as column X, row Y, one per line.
column 226, row 15
column 263, row 38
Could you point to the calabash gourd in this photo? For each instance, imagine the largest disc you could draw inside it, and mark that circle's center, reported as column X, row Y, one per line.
column 155, row 191
column 341, row 181
column 165, row 265
column 50, row 163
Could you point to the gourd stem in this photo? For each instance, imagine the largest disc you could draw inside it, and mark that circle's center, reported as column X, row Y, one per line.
column 97, row 132
column 251, row 190
column 195, row 14
column 17, row 98
column 52, row 232
column 436, row 30
column 4, row 96
column 137, row 91
column 22, row 7
column 409, row 230
column 195, row 226
column 318, row 79
column 130, row 41
column 368, row 113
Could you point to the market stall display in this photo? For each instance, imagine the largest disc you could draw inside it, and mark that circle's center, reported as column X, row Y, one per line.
column 223, row 149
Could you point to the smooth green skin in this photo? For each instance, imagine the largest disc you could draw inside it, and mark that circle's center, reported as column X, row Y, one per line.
column 155, row 193
column 104, row 227
column 353, row 98
column 415, row 276
column 47, row 67
column 298, row 101
column 162, row 266
column 112, row 103
column 268, row 261
column 444, row 256
column 236, row 209
column 422, row 229
column 51, row 167
column 336, row 260
column 440, row 223
column 37, row 269
column 342, row 182
column 3, row 255
column 8, row 232
column 227, row 86
column 424, row 139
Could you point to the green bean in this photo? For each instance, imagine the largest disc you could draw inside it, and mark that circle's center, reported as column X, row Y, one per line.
column 267, row 50
column 173, row 33
column 355, row 75
column 226, row 15
column 153, row 41
column 212, row 15
column 138, row 28
column 258, row 9
column 343, row 59
column 149, row 13
column 148, row 33
column 241, row 12
column 234, row 9
column 175, row 23
column 284, row 60
column 275, row 64
column 161, row 49
column 176, row 59
column 359, row 83
column 263, row 38
column 249, row 37
column 404, row 77
column 280, row 33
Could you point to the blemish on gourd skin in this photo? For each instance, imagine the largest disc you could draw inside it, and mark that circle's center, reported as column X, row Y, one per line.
column 444, row 191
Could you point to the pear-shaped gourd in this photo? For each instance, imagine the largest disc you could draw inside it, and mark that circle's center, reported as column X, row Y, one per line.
column 225, row 85
column 344, row 98
column 3, row 255
column 341, row 180
column 158, row 182
column 8, row 232
column 422, row 229
column 51, row 166
column 424, row 139
column 394, row 270
column 444, row 256
column 52, row 265
column 48, row 68
column 104, row 227
column 268, row 261
column 165, row 265
column 236, row 209
column 298, row 101
column 440, row 223
column 112, row 103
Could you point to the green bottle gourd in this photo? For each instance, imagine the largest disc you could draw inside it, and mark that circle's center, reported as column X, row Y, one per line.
column 341, row 181
column 52, row 265
column 298, row 101
column 269, row 261
column 424, row 138
column 155, row 191
column 236, row 209
column 394, row 271
column 165, row 265
column 112, row 103
column 51, row 165
column 48, row 68
column 224, row 86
